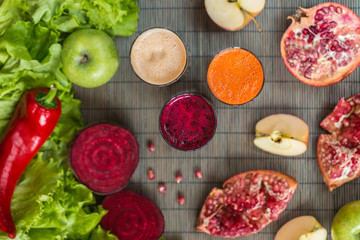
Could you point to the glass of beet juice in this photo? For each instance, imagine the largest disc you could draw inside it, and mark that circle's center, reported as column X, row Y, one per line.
column 187, row 121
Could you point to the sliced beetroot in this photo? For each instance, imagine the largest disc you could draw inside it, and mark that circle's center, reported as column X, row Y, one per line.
column 247, row 203
column 339, row 152
column 132, row 216
column 103, row 157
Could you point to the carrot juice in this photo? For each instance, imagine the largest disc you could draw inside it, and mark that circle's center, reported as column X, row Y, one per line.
column 235, row 76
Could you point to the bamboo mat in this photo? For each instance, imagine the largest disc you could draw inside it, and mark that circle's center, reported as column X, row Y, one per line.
column 136, row 105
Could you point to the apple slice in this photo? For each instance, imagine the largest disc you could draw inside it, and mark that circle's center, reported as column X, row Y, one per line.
column 233, row 15
column 302, row 228
column 282, row 134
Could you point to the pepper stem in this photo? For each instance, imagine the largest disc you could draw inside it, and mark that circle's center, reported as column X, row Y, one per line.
column 51, row 94
column 47, row 99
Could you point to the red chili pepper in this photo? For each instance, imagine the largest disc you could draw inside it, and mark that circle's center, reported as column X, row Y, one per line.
column 33, row 121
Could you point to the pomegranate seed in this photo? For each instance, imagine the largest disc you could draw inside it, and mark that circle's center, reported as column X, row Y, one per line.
column 324, row 26
column 329, row 35
column 151, row 174
column 313, row 29
column 326, row 10
column 343, row 64
column 162, row 188
column 320, row 12
column 305, row 31
column 319, row 17
column 333, row 24
column 151, row 147
column 179, row 178
column 307, row 75
column 339, row 10
column 181, row 199
column 198, row 174
column 339, row 49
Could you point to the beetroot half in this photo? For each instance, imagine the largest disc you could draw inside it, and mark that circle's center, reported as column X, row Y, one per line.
column 132, row 216
column 103, row 157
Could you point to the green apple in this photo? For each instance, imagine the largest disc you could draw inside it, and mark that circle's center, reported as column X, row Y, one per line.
column 346, row 224
column 90, row 58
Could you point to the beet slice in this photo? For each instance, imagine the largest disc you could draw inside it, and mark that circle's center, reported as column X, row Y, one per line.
column 132, row 216
column 103, row 157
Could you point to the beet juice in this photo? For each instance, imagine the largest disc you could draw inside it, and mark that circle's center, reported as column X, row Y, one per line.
column 187, row 122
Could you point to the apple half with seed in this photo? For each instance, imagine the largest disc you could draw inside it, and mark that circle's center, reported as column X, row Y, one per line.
column 346, row 223
column 302, row 228
column 282, row 134
column 233, row 15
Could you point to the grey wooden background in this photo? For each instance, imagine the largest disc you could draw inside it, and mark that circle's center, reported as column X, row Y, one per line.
column 136, row 105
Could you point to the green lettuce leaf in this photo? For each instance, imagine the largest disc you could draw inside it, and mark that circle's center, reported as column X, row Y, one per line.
column 116, row 17
column 100, row 233
column 48, row 202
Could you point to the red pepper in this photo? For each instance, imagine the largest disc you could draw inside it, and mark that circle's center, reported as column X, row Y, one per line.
column 33, row 121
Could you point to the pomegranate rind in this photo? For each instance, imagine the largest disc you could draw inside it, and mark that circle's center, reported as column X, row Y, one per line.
column 341, row 73
column 103, row 156
column 132, row 216
column 266, row 210
column 338, row 153
column 332, row 184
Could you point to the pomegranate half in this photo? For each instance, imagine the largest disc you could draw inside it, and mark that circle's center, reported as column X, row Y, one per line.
column 339, row 152
column 247, row 203
column 321, row 46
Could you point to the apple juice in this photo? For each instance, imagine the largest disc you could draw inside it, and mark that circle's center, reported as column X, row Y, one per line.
column 158, row 56
column 187, row 122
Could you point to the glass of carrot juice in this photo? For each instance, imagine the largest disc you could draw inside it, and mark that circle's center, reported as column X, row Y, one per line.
column 235, row 76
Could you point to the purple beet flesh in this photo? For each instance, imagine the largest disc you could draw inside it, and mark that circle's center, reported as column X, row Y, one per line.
column 103, row 157
column 132, row 216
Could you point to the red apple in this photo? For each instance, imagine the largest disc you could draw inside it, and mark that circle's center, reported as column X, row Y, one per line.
column 233, row 15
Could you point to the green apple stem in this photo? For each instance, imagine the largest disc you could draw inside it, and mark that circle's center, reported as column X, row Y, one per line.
column 252, row 18
column 85, row 58
column 232, row 0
